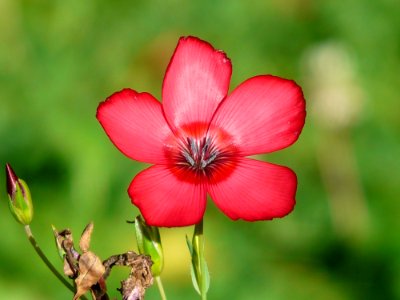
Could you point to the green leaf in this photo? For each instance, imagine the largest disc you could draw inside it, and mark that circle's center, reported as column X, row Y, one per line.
column 149, row 243
column 194, row 279
column 199, row 270
column 189, row 244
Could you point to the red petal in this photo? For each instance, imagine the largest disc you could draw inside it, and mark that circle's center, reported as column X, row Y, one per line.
column 135, row 124
column 167, row 201
column 196, row 81
column 255, row 190
column 263, row 114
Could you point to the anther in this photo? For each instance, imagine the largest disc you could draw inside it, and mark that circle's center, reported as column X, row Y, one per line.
column 188, row 158
column 193, row 147
column 198, row 154
column 205, row 163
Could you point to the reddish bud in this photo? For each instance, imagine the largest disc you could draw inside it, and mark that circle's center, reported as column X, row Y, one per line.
column 20, row 201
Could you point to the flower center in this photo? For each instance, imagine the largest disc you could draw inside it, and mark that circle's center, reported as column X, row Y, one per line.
column 198, row 154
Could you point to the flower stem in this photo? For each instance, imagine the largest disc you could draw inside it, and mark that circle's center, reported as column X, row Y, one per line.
column 39, row 252
column 160, row 288
column 198, row 228
column 204, row 296
column 200, row 262
column 198, row 231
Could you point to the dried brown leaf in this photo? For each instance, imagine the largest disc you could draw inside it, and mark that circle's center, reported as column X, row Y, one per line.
column 91, row 270
column 67, row 269
column 84, row 242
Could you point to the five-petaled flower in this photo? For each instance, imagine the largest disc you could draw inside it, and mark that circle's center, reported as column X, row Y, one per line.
column 199, row 138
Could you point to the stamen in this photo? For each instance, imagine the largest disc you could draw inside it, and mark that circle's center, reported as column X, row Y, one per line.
column 188, row 158
column 193, row 147
column 198, row 154
column 205, row 163
column 205, row 147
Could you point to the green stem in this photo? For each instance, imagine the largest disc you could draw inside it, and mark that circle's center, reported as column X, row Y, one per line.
column 39, row 251
column 160, row 288
column 198, row 228
column 198, row 243
column 204, row 296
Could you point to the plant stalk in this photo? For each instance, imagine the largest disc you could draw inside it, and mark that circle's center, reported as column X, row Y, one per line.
column 160, row 288
column 198, row 243
column 39, row 252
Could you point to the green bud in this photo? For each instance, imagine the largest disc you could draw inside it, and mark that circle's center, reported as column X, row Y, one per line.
column 149, row 243
column 199, row 270
column 20, row 201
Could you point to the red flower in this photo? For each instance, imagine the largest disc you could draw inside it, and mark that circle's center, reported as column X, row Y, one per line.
column 199, row 138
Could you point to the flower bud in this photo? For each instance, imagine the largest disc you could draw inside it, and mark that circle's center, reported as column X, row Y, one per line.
column 199, row 270
column 20, row 201
column 149, row 243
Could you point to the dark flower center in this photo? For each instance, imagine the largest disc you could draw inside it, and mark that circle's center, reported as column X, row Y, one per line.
column 198, row 154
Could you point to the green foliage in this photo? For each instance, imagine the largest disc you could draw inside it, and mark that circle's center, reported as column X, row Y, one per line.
column 59, row 59
column 198, row 268
column 149, row 242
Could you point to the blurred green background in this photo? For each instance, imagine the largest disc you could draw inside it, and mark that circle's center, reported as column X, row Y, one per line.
column 59, row 59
